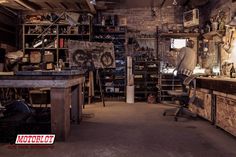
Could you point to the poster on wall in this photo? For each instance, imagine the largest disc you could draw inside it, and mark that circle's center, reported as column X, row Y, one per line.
column 91, row 54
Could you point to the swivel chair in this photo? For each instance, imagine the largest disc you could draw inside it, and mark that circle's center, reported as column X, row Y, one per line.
column 183, row 97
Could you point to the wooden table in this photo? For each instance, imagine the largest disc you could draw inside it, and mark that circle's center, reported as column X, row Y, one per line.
column 66, row 90
column 219, row 101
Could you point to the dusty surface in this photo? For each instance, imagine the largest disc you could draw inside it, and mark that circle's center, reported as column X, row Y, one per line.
column 135, row 130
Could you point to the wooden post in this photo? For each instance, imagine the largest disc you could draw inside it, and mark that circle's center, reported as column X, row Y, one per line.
column 60, row 112
column 91, row 87
column 81, row 101
column 76, row 103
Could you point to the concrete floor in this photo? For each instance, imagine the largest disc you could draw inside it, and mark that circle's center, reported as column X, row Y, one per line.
column 135, row 130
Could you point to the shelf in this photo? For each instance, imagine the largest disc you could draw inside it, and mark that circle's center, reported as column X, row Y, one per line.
column 40, row 34
column 109, row 39
column 31, row 31
column 47, row 24
column 73, row 34
column 151, row 82
column 120, row 78
column 63, row 48
column 146, row 38
column 140, row 92
column 179, row 34
column 211, row 34
column 99, row 25
column 114, row 86
column 38, row 24
column 169, row 90
column 40, row 48
column 120, row 92
column 152, row 72
column 165, row 85
column 78, row 24
column 116, row 32
column 139, row 72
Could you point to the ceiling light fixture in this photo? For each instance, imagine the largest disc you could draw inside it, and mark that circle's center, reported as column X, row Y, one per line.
column 93, row 2
column 174, row 2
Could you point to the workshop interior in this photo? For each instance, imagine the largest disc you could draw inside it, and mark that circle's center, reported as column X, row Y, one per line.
column 65, row 65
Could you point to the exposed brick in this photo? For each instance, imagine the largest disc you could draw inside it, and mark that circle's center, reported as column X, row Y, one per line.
column 141, row 18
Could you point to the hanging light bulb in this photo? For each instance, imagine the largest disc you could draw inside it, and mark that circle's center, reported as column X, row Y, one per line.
column 174, row 2
column 93, row 2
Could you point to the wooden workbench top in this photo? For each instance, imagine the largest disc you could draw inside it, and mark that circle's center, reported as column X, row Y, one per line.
column 220, row 84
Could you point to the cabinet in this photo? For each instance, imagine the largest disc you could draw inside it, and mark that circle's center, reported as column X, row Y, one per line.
column 46, row 45
column 113, row 79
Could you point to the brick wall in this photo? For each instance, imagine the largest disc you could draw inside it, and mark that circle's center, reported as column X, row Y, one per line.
column 142, row 19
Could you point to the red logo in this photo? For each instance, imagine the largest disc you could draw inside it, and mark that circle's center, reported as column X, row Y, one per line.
column 35, row 139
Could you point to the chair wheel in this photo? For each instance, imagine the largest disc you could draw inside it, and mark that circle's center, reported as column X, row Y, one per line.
column 164, row 114
column 176, row 119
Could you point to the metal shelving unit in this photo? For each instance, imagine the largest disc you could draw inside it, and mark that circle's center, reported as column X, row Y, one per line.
column 145, row 79
column 55, row 39
column 113, row 80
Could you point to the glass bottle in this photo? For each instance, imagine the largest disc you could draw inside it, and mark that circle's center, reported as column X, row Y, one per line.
column 232, row 71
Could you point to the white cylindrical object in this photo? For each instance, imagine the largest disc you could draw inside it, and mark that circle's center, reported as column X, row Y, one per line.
column 129, row 61
column 129, row 71
column 129, row 94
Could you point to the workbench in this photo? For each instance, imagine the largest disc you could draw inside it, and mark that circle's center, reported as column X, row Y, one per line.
column 65, row 92
column 216, row 101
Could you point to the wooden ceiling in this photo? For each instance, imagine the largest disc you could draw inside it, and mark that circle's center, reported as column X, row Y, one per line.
column 86, row 6
column 111, row 4
column 49, row 5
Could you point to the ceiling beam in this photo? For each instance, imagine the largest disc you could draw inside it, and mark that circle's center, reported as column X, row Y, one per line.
column 63, row 5
column 49, row 5
column 9, row 12
column 186, row 2
column 78, row 6
column 162, row 3
column 25, row 4
column 91, row 7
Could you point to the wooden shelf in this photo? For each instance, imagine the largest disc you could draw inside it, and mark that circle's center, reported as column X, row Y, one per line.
column 40, row 34
column 211, row 34
column 73, row 34
column 146, row 38
column 179, row 34
column 110, row 32
column 40, row 48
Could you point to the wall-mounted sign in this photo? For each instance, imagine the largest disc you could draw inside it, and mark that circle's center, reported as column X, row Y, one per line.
column 91, row 54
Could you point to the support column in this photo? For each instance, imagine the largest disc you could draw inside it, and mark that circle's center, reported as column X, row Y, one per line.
column 60, row 112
